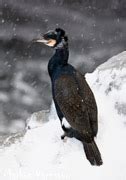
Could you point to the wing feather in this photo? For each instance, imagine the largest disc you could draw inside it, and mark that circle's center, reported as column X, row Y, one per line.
column 74, row 99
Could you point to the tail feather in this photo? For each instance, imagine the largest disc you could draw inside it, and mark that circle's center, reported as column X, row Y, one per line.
column 92, row 153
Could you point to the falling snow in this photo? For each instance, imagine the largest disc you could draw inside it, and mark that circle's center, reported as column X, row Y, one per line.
column 41, row 154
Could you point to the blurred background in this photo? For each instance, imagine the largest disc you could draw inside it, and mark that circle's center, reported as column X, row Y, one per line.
column 96, row 31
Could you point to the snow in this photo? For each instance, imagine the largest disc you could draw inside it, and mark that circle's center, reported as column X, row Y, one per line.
column 3, row 21
column 41, row 154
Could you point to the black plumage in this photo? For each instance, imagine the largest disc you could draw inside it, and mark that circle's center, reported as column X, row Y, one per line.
column 72, row 96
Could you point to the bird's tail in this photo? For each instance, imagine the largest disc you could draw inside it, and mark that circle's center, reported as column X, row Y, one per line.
column 92, row 153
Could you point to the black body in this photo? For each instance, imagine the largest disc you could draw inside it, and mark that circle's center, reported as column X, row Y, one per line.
column 74, row 100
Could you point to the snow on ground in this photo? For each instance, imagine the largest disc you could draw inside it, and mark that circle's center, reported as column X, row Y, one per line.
column 42, row 155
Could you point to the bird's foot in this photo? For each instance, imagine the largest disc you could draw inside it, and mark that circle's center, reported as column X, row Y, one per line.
column 68, row 134
column 63, row 136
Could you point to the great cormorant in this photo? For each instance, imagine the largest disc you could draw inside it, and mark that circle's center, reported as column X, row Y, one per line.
column 72, row 96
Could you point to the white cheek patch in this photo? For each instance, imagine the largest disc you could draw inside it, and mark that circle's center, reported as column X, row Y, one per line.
column 51, row 42
column 65, row 123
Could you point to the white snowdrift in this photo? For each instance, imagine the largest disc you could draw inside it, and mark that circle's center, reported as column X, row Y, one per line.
column 42, row 155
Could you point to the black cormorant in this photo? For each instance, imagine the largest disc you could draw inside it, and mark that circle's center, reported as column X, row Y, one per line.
column 72, row 96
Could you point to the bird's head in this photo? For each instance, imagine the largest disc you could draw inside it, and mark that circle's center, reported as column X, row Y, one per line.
column 53, row 38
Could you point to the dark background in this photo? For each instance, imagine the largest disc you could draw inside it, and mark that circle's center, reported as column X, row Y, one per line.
column 96, row 31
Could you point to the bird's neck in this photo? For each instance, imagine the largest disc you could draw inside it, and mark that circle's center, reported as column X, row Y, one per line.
column 59, row 59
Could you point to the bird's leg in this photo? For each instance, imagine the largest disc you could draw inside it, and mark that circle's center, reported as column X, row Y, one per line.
column 70, row 132
column 66, row 135
column 67, row 132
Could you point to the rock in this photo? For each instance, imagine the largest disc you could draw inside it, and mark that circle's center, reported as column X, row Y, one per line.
column 39, row 153
column 110, row 79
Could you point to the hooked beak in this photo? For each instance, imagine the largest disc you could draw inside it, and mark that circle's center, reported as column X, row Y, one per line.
column 50, row 42
column 40, row 41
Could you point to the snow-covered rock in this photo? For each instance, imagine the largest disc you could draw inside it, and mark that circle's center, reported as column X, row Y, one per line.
column 110, row 79
column 40, row 154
